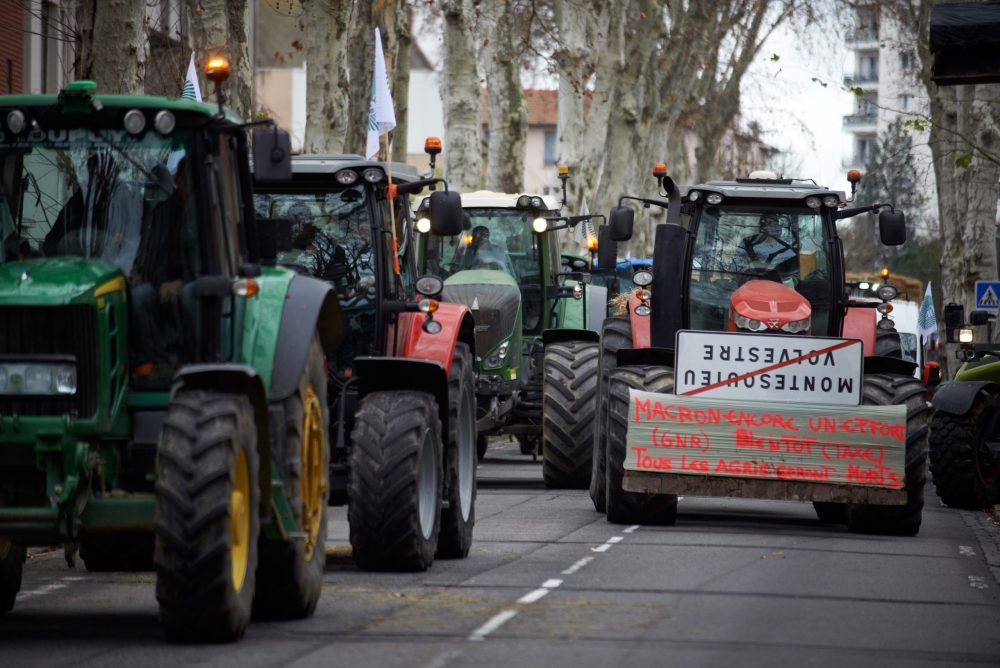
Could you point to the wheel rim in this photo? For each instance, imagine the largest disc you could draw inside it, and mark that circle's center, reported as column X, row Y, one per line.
column 427, row 486
column 239, row 522
column 313, row 475
column 466, row 454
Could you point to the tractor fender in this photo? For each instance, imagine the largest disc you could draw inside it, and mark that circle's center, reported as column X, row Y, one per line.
column 640, row 323
column 859, row 324
column 567, row 334
column 378, row 374
column 236, row 379
column 957, row 397
column 414, row 343
column 310, row 306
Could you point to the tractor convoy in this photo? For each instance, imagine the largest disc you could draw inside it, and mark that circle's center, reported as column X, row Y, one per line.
column 206, row 341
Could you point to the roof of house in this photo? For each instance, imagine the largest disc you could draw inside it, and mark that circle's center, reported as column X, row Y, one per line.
column 543, row 106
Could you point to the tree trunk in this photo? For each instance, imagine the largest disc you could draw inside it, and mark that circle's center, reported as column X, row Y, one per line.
column 115, row 45
column 360, row 61
column 572, row 60
column 508, row 114
column 400, row 73
column 324, row 24
column 461, row 95
column 220, row 28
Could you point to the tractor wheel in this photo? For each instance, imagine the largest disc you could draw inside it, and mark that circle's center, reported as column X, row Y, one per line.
column 290, row 572
column 632, row 507
column 457, row 520
column 394, row 489
column 11, row 569
column 615, row 335
column 568, row 406
column 207, row 516
column 117, row 552
column 962, row 474
column 831, row 512
column 482, row 443
column 889, row 390
column 887, row 343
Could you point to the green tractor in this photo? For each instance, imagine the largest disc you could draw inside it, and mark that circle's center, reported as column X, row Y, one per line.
column 536, row 315
column 401, row 387
column 162, row 390
column 964, row 438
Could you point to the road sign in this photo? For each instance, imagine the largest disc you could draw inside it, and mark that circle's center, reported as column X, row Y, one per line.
column 988, row 295
column 769, row 367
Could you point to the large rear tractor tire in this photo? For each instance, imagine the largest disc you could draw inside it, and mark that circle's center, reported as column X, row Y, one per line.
column 569, row 404
column 632, row 507
column 615, row 335
column 290, row 572
column 458, row 519
column 207, row 516
column 888, row 344
column 394, row 490
column 11, row 569
column 890, row 390
column 963, row 475
column 118, row 552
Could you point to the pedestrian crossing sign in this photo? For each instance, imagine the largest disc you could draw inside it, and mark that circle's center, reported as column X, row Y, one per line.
column 988, row 295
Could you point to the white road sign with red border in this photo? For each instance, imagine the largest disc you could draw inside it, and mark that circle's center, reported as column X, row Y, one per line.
column 769, row 367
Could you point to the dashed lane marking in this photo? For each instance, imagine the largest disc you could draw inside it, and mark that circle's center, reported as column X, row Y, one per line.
column 601, row 548
column 577, row 566
column 533, row 596
column 966, row 551
column 493, row 624
column 616, row 539
column 42, row 590
column 630, row 529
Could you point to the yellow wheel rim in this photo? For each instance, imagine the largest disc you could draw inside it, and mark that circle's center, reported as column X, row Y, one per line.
column 313, row 473
column 239, row 521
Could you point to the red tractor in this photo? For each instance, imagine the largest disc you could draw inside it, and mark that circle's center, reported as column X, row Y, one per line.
column 745, row 326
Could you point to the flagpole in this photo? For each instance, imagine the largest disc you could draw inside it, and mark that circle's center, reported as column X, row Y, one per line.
column 392, row 204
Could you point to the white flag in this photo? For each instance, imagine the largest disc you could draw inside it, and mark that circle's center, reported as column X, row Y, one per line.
column 926, row 318
column 192, row 91
column 381, row 117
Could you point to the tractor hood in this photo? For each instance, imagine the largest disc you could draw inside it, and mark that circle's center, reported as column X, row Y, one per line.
column 54, row 281
column 495, row 301
column 769, row 305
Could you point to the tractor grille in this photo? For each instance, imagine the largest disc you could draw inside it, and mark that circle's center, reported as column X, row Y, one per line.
column 494, row 309
column 53, row 330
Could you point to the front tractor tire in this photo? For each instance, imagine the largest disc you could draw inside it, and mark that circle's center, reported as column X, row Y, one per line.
column 207, row 516
column 962, row 473
column 569, row 405
column 890, row 390
column 459, row 517
column 11, row 568
column 633, row 507
column 394, row 490
column 616, row 334
column 290, row 572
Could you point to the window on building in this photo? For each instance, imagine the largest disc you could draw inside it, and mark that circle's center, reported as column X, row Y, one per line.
column 907, row 60
column 551, row 141
column 864, row 149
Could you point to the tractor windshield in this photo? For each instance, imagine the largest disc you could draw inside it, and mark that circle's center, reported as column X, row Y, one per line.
column 735, row 245
column 99, row 194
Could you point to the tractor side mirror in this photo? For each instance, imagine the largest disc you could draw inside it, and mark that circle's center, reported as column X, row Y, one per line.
column 272, row 156
column 607, row 249
column 446, row 213
column 892, row 227
column 954, row 320
column 980, row 317
column 620, row 223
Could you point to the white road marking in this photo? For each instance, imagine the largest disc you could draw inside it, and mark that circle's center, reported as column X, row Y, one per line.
column 442, row 660
column 42, row 590
column 601, row 548
column 978, row 582
column 551, row 584
column 577, row 566
column 966, row 551
column 496, row 622
column 73, row 579
column 533, row 596
column 630, row 529
column 616, row 539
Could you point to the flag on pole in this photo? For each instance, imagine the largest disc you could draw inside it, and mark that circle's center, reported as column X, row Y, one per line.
column 926, row 318
column 192, row 91
column 381, row 117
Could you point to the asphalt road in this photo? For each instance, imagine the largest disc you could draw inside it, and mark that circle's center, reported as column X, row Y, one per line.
column 551, row 583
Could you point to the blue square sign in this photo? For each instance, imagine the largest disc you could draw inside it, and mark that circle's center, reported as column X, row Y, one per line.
column 988, row 295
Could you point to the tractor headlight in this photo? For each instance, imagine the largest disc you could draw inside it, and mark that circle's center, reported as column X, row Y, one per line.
column 796, row 326
column 539, row 225
column 813, row 202
column 346, row 177
column 966, row 335
column 537, row 202
column 37, row 378
column 744, row 322
column 373, row 174
column 831, row 201
column 693, row 196
column 713, row 198
column 886, row 292
column 424, row 225
column 643, row 278
column 498, row 356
